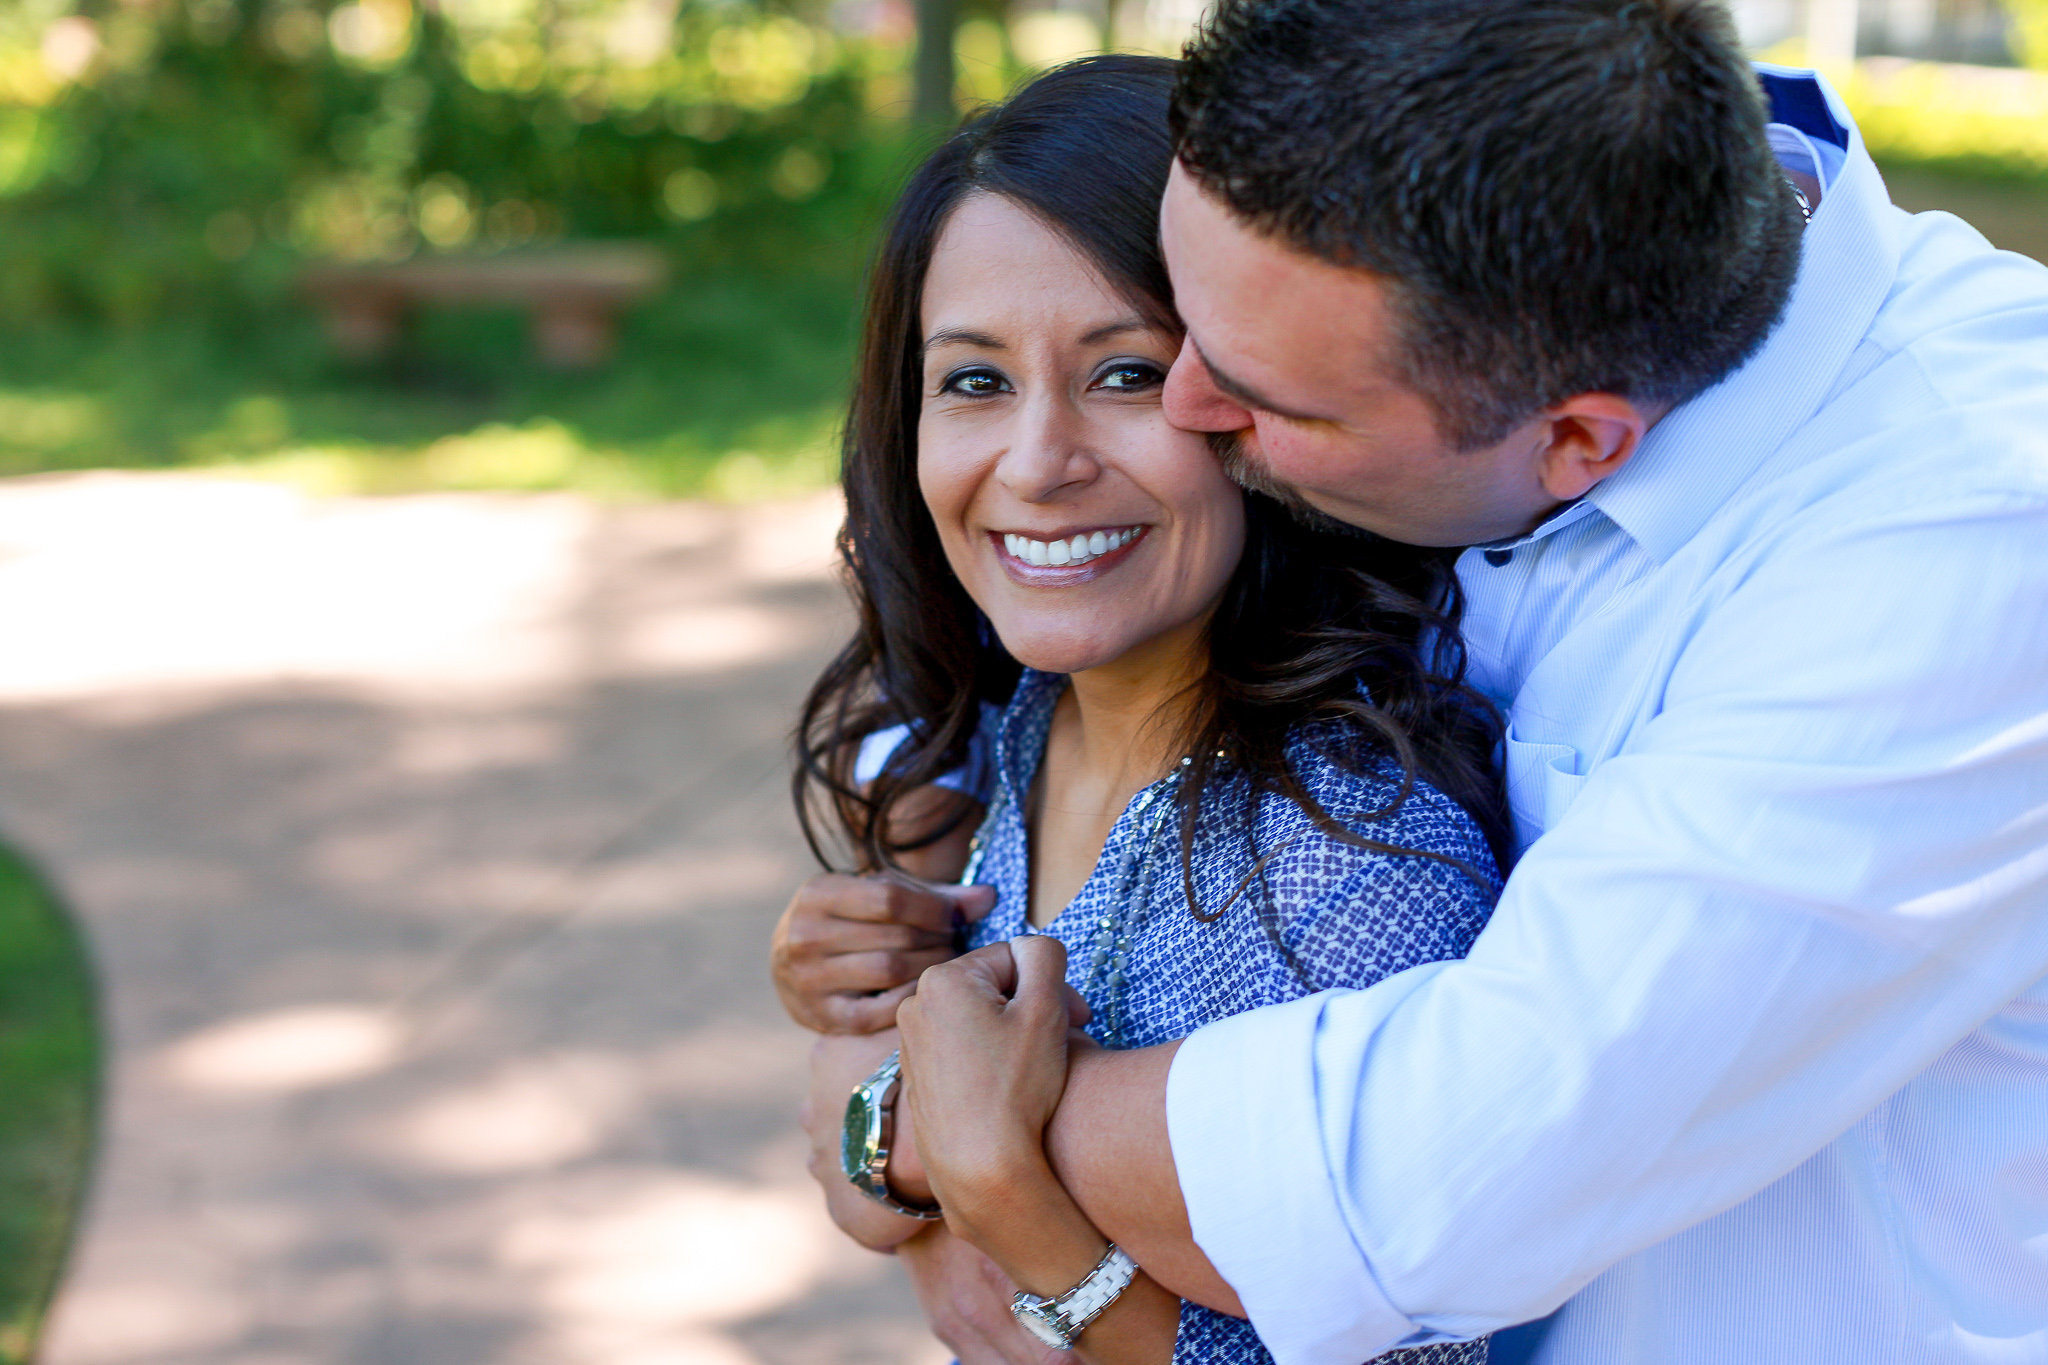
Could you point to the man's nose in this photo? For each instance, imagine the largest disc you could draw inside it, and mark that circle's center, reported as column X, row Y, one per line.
column 1193, row 402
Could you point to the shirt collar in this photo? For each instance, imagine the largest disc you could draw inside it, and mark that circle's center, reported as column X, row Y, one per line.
column 1702, row 451
column 1020, row 735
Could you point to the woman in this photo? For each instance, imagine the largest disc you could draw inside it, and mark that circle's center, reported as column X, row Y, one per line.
column 1233, row 761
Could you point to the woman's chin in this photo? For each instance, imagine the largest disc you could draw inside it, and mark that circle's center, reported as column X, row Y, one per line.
column 1064, row 655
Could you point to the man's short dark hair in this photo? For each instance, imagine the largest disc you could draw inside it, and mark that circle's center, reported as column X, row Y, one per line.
column 1569, row 196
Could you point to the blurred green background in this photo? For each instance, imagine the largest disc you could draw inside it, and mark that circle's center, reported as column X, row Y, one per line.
column 168, row 167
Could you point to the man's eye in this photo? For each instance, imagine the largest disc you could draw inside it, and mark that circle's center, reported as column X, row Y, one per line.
column 1129, row 376
column 973, row 383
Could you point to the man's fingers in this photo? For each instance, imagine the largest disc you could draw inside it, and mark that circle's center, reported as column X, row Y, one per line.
column 974, row 985
column 1041, row 972
column 1078, row 1012
column 992, row 969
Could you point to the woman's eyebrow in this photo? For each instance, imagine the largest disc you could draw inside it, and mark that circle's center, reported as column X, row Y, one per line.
column 962, row 336
column 1117, row 328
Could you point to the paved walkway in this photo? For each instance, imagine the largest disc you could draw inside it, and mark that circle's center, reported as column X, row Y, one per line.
column 428, row 847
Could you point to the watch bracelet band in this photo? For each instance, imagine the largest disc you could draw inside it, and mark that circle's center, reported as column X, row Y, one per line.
column 895, row 1205
column 1072, row 1311
column 872, row 1179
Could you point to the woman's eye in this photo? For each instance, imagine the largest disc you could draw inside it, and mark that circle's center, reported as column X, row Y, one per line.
column 973, row 383
column 1129, row 376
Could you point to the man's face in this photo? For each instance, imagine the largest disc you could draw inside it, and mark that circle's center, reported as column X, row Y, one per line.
column 1293, row 362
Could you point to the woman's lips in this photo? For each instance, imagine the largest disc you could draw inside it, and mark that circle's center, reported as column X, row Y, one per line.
column 1073, row 558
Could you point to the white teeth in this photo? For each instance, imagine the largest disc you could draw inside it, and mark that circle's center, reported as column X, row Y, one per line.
column 1077, row 550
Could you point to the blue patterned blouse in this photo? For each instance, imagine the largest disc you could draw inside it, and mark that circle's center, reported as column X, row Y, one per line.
column 1323, row 913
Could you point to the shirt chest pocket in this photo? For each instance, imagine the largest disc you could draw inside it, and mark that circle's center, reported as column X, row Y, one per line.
column 1543, row 781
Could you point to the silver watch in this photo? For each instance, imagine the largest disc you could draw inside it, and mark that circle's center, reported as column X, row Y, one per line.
column 1058, row 1322
column 864, row 1141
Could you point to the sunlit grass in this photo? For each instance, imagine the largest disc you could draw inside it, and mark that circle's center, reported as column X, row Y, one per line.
column 48, row 1071
column 1985, row 119
column 779, row 458
column 728, row 389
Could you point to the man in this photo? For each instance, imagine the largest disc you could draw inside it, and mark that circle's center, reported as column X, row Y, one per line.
column 1752, row 1062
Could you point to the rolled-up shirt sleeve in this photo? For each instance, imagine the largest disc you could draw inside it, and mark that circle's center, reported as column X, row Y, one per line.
column 1817, row 863
column 1242, row 1105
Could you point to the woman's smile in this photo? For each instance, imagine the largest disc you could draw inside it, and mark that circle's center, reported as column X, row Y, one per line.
column 1061, row 558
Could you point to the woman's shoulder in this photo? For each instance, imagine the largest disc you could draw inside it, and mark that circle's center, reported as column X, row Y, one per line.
column 1370, row 797
column 1414, row 882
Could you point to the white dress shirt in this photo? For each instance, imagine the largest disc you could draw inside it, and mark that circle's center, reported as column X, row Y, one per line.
column 1751, row 1065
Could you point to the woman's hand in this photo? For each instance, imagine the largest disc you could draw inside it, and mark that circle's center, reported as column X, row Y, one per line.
column 838, row 1064
column 848, row 950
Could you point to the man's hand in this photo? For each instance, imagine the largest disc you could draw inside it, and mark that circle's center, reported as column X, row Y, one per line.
column 848, row 950
column 966, row 1300
column 1108, row 1146
column 984, row 1065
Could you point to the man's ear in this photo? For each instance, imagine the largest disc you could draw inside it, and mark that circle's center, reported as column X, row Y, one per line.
column 1587, row 438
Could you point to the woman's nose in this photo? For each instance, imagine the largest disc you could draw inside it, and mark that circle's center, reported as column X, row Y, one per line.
column 1049, row 450
column 1193, row 402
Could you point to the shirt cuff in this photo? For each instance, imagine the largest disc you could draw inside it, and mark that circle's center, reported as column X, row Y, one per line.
column 974, row 778
column 1241, row 1113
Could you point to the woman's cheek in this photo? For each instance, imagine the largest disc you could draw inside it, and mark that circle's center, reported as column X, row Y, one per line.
column 947, row 487
column 1220, row 513
column 1226, row 548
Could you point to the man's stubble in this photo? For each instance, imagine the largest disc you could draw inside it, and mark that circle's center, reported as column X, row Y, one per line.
column 1248, row 473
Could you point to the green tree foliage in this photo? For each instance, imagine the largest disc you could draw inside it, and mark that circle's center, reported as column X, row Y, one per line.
column 184, row 157
column 2030, row 32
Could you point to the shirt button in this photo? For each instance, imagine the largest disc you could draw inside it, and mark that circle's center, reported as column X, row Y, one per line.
column 1499, row 558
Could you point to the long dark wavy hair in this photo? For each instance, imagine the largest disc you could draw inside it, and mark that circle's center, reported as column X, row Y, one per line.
column 1320, row 625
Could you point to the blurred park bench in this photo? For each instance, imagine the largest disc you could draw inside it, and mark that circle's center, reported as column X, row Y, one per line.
column 573, row 294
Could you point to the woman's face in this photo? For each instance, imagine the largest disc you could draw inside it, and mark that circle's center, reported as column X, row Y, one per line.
column 1080, row 522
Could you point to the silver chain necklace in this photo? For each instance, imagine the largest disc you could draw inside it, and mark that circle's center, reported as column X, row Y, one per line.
column 1109, row 945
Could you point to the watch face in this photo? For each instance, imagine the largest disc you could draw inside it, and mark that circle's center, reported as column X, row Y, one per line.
column 1031, row 1315
column 853, row 1137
